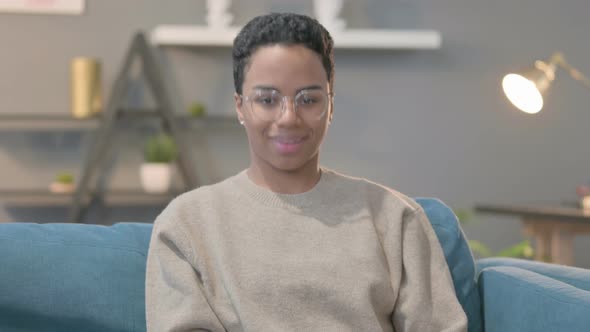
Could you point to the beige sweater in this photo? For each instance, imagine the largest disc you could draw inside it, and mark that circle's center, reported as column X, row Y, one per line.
column 348, row 255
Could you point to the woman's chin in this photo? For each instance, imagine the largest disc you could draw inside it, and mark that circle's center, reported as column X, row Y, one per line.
column 294, row 163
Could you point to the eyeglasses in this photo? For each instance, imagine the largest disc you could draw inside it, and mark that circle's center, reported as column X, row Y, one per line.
column 269, row 105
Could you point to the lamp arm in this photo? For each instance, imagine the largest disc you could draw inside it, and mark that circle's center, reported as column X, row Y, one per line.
column 559, row 59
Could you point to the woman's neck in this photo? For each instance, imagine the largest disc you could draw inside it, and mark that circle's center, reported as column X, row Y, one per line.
column 285, row 181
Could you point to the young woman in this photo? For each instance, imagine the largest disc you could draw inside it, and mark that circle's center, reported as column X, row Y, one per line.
column 287, row 245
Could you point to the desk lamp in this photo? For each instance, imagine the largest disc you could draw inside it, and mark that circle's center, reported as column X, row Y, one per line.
column 525, row 90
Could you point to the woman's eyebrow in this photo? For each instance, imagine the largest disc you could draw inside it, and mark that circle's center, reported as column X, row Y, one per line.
column 310, row 87
column 272, row 88
column 265, row 87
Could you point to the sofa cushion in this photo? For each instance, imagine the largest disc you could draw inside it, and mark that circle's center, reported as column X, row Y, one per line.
column 72, row 277
column 516, row 299
column 575, row 276
column 458, row 256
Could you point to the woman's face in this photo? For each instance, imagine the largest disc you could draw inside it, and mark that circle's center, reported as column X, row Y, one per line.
column 291, row 140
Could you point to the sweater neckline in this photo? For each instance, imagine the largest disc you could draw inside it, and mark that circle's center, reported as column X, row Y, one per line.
column 296, row 201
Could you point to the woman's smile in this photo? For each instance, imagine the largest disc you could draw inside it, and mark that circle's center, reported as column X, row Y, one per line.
column 288, row 144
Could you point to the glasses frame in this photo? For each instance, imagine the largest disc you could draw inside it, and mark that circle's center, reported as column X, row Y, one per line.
column 283, row 98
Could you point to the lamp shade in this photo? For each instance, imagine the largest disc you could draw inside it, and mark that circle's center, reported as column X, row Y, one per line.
column 526, row 90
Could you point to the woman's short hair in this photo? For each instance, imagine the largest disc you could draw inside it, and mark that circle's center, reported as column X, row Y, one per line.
column 285, row 29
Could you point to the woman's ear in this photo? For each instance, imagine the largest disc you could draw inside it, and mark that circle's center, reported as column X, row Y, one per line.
column 331, row 115
column 238, row 102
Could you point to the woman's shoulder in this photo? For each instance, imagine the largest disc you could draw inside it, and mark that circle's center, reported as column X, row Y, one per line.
column 372, row 191
column 196, row 202
column 206, row 193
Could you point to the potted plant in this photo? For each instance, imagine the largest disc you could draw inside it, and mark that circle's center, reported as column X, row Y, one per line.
column 63, row 183
column 160, row 152
column 197, row 110
column 520, row 250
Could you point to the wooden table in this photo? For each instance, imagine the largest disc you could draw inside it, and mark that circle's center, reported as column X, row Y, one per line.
column 552, row 227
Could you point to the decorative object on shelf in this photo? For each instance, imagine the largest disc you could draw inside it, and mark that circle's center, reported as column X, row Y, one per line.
column 218, row 16
column 94, row 173
column 219, row 33
column 583, row 192
column 86, row 95
column 156, row 172
column 327, row 12
column 197, row 110
column 63, row 183
column 525, row 90
column 71, row 7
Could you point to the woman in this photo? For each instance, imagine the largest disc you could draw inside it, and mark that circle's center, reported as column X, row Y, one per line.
column 287, row 245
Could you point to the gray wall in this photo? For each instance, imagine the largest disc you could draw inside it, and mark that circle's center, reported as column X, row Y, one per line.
column 428, row 123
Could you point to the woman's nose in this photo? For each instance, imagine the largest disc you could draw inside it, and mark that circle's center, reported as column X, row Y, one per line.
column 288, row 110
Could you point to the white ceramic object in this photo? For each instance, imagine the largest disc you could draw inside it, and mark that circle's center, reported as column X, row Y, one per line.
column 328, row 12
column 62, row 188
column 156, row 177
column 218, row 16
column 586, row 202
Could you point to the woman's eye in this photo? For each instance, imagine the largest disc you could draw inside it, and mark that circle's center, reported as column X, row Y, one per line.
column 265, row 100
column 308, row 100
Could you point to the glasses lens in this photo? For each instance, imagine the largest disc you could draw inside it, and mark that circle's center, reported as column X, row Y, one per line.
column 311, row 104
column 266, row 104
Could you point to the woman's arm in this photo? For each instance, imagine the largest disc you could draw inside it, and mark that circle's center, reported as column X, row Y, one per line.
column 426, row 300
column 175, row 300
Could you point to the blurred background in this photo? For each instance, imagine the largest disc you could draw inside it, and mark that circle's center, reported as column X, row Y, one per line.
column 424, row 122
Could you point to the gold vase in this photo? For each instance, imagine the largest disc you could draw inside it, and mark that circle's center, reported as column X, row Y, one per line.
column 86, row 87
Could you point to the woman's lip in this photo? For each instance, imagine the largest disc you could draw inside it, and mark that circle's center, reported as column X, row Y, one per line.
column 288, row 140
column 286, row 145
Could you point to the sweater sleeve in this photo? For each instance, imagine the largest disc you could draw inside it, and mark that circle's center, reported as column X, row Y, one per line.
column 426, row 299
column 174, row 292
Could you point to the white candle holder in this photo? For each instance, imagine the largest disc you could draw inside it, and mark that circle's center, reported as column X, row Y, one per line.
column 327, row 12
column 218, row 16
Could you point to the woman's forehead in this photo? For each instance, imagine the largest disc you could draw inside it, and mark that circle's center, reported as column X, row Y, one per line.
column 283, row 67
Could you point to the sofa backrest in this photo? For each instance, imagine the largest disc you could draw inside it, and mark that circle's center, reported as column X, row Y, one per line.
column 459, row 258
column 74, row 277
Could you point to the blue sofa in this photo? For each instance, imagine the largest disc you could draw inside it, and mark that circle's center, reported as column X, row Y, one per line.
column 72, row 277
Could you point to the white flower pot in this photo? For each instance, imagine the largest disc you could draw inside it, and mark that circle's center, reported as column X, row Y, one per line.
column 156, row 177
column 62, row 188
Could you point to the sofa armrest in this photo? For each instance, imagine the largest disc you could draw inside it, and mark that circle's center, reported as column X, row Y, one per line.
column 515, row 299
column 574, row 276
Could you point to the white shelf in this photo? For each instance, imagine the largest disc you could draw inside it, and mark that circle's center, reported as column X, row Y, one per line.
column 45, row 122
column 190, row 35
column 45, row 198
column 17, row 122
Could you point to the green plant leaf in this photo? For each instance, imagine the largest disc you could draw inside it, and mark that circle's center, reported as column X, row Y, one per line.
column 479, row 248
column 520, row 250
column 65, row 178
column 160, row 149
column 465, row 216
column 197, row 110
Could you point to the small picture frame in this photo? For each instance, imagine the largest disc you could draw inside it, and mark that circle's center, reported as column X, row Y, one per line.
column 64, row 7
